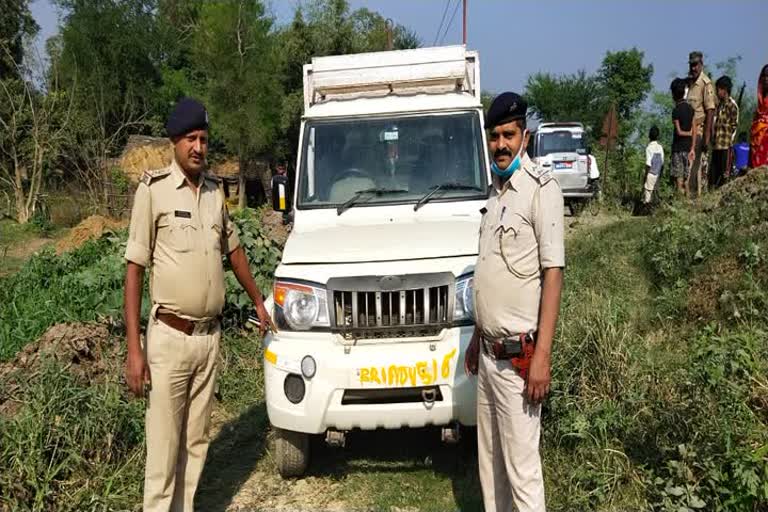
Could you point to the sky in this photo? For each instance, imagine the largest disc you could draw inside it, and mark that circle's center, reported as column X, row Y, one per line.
column 517, row 38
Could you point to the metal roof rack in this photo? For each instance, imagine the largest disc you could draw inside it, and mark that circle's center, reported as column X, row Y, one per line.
column 423, row 70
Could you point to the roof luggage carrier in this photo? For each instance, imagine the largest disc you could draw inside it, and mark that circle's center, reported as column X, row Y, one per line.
column 424, row 70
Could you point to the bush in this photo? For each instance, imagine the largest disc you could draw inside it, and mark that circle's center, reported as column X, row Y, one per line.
column 87, row 284
column 83, row 285
column 263, row 256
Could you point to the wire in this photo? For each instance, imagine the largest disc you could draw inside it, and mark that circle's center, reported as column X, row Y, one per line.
column 455, row 10
column 442, row 20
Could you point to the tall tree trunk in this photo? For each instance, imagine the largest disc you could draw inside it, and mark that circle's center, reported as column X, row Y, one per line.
column 22, row 212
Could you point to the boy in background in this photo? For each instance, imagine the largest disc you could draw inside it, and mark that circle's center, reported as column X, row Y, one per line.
column 654, row 161
column 682, row 140
column 726, row 123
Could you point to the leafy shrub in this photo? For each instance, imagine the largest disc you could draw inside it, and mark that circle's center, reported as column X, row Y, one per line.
column 83, row 285
column 263, row 256
column 87, row 284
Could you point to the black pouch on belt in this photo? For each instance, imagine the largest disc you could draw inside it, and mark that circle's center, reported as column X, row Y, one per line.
column 511, row 348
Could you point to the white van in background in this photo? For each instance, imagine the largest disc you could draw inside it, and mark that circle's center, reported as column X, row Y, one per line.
column 562, row 148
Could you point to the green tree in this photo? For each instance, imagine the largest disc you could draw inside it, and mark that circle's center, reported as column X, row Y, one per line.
column 296, row 49
column 307, row 36
column 625, row 80
column 369, row 32
column 108, row 56
column 176, row 23
column 33, row 126
column 576, row 97
column 234, row 49
column 16, row 27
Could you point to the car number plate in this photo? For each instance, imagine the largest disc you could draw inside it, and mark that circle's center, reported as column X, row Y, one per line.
column 419, row 373
column 564, row 165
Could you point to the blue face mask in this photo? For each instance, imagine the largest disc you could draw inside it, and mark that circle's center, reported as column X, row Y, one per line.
column 515, row 165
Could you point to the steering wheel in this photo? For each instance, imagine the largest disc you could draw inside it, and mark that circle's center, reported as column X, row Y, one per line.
column 352, row 172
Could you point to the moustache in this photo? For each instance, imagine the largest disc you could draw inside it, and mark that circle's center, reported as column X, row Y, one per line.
column 502, row 152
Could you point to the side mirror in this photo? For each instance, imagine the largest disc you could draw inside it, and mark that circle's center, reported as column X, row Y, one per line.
column 280, row 193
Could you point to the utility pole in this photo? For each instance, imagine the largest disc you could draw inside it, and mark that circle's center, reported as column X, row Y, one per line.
column 465, row 23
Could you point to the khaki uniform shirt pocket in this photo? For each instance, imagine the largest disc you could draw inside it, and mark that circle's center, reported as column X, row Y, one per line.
column 517, row 245
column 182, row 235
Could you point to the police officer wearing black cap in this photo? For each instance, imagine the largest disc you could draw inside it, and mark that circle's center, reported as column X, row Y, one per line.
column 517, row 283
column 180, row 230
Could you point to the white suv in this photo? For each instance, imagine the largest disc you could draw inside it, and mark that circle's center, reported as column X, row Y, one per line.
column 562, row 148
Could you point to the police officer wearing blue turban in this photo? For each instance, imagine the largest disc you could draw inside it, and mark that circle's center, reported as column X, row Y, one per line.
column 180, row 230
column 517, row 284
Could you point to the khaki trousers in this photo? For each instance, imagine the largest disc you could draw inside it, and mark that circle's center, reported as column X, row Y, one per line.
column 183, row 373
column 508, row 430
column 699, row 178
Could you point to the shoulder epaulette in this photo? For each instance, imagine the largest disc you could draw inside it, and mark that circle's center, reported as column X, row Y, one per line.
column 540, row 174
column 150, row 176
column 213, row 178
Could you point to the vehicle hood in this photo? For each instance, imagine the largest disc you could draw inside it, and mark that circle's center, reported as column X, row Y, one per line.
column 382, row 242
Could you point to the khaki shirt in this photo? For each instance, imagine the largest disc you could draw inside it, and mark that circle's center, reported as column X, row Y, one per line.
column 701, row 96
column 181, row 234
column 521, row 233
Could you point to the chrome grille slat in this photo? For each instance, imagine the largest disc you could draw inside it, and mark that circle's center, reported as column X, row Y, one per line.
column 355, row 313
column 373, row 307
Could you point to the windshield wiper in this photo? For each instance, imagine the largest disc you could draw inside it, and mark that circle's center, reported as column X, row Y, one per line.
column 377, row 191
column 445, row 186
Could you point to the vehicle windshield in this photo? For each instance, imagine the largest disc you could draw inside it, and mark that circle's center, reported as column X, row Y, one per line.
column 561, row 141
column 402, row 158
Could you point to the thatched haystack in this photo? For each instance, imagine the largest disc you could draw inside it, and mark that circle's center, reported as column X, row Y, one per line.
column 143, row 153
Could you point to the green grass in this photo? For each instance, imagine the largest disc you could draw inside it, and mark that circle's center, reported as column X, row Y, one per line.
column 12, row 232
column 19, row 241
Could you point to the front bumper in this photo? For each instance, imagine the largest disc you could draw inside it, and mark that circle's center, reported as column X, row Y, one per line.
column 379, row 364
column 578, row 194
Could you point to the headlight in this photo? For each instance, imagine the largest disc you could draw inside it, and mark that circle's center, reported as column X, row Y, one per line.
column 303, row 306
column 465, row 301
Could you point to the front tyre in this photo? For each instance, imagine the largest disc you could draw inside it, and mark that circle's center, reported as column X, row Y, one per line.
column 291, row 452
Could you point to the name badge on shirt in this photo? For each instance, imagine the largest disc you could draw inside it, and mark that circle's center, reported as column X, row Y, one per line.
column 182, row 214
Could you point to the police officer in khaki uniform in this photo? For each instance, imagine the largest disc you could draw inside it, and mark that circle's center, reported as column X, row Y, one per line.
column 701, row 96
column 517, row 284
column 180, row 230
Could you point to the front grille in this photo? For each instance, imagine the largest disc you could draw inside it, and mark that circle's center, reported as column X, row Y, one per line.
column 419, row 307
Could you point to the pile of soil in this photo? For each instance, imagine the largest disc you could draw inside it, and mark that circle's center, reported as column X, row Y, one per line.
column 85, row 349
column 91, row 228
column 752, row 187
